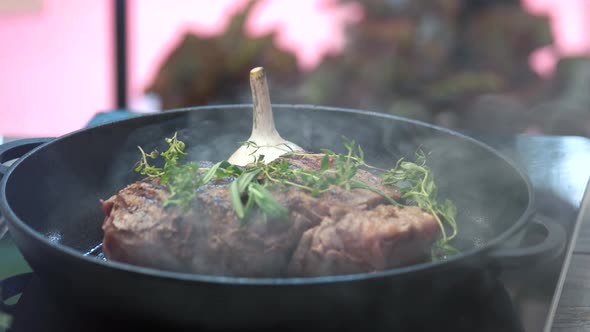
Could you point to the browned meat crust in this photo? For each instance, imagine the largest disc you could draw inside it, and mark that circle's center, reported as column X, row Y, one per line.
column 339, row 232
column 208, row 239
column 364, row 241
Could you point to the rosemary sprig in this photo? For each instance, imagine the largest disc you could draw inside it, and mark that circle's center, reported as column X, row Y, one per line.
column 256, row 194
column 336, row 170
column 251, row 185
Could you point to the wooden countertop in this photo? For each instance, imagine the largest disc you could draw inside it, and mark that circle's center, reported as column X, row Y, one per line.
column 573, row 310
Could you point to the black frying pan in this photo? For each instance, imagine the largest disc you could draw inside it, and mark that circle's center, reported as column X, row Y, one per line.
column 50, row 200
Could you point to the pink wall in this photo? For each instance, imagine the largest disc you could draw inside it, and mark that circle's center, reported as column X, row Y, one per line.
column 570, row 25
column 56, row 66
column 158, row 28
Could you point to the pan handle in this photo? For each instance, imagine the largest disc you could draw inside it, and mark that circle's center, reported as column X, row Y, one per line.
column 14, row 150
column 17, row 149
column 551, row 246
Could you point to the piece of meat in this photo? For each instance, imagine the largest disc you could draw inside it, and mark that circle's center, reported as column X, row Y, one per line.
column 365, row 241
column 208, row 238
column 138, row 230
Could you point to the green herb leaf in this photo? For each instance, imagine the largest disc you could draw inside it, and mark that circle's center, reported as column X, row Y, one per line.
column 246, row 178
column 236, row 200
column 210, row 173
column 443, row 250
column 325, row 163
column 416, row 183
column 414, row 179
column 226, row 169
column 266, row 202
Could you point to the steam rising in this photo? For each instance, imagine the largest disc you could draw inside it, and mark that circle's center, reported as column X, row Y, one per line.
column 483, row 187
column 80, row 170
column 465, row 172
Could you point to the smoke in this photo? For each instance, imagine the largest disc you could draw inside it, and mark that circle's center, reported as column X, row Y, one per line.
column 489, row 195
column 97, row 163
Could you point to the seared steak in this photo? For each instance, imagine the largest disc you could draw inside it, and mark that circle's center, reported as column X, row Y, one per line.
column 207, row 239
column 363, row 241
column 339, row 232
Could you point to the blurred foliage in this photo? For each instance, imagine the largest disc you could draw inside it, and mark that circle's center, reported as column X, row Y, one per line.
column 426, row 59
column 440, row 53
column 203, row 71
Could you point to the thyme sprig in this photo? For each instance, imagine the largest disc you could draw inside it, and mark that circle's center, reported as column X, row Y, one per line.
column 251, row 184
column 416, row 183
column 336, row 170
column 182, row 180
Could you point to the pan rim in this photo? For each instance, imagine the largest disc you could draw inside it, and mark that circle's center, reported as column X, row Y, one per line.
column 495, row 242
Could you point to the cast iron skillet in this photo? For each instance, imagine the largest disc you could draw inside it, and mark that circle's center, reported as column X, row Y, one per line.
column 50, row 200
